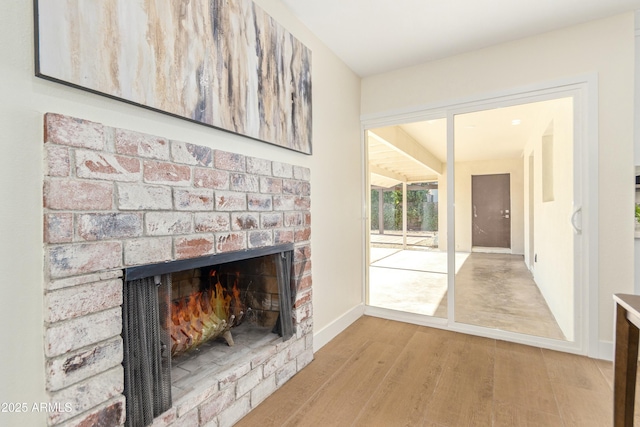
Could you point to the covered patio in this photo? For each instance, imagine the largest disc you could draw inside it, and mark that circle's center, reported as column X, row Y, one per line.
column 492, row 290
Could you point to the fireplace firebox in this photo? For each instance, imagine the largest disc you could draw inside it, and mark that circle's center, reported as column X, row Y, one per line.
column 180, row 320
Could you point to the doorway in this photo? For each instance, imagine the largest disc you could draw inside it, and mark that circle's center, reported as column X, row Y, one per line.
column 491, row 200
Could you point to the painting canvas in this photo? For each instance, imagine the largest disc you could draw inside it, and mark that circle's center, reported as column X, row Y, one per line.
column 222, row 63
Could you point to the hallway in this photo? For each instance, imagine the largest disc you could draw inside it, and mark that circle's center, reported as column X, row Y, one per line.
column 492, row 290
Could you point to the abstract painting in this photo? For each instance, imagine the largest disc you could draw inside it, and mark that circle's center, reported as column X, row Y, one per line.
column 222, row 63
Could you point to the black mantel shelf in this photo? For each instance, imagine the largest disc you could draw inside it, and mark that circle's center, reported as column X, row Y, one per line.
column 142, row 271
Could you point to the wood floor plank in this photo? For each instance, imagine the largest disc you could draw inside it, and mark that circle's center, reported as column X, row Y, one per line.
column 574, row 370
column 521, row 378
column 464, row 394
column 505, row 415
column 403, row 395
column 606, row 367
column 580, row 407
column 339, row 402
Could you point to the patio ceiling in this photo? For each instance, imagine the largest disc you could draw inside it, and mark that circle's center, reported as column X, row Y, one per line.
column 416, row 152
column 395, row 157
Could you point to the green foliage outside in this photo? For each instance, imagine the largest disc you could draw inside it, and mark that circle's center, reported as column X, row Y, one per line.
column 421, row 213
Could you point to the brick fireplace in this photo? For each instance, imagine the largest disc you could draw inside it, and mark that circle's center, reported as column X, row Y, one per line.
column 116, row 199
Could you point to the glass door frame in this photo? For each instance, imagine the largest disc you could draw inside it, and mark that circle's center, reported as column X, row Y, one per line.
column 583, row 90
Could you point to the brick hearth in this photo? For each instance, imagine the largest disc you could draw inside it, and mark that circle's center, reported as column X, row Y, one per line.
column 114, row 198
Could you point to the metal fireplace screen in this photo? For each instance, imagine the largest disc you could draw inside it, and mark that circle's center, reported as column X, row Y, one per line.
column 149, row 325
column 147, row 362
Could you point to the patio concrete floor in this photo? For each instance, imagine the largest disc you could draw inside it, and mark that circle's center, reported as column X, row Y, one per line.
column 492, row 290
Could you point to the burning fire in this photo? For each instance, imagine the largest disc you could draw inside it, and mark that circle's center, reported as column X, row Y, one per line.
column 202, row 316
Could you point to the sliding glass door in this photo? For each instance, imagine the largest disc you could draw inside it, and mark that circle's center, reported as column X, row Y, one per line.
column 475, row 222
column 408, row 269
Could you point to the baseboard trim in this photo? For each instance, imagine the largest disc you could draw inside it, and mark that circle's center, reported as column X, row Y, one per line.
column 330, row 331
column 605, row 350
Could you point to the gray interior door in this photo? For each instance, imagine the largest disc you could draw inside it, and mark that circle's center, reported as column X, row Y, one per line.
column 491, row 201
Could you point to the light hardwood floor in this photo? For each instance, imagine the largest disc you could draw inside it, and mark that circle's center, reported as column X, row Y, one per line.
column 385, row 373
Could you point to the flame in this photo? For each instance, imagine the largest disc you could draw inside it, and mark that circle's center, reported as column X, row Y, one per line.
column 202, row 316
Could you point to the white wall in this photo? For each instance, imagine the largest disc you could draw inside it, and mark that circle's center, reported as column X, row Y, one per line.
column 605, row 47
column 335, row 186
column 553, row 235
column 464, row 207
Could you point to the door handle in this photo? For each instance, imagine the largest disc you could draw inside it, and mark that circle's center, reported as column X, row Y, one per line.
column 574, row 216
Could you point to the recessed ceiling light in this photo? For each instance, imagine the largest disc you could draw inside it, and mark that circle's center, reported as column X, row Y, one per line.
column 515, row 122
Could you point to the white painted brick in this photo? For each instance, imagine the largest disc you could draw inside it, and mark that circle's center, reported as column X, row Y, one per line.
column 168, row 223
column 231, row 375
column 83, row 331
column 147, row 251
column 212, row 222
column 275, row 363
column 109, row 226
column 165, row 419
column 285, row 373
column 202, row 392
column 111, row 413
column 187, row 420
column 212, row 423
column 58, row 228
column 141, row 144
column 65, row 130
column 263, row 390
column 143, row 197
column 302, row 173
column 235, row 412
column 304, row 359
column 194, row 246
column 87, row 394
column 260, row 238
column 248, row 382
column 229, row 161
column 230, row 201
column 283, row 345
column 193, row 199
column 78, row 301
column 85, row 279
column 258, row 166
column 100, row 165
column 244, row 221
column 190, row 154
column 295, row 349
column 76, row 195
column 213, row 406
column 284, row 202
column 73, row 367
column 282, row 170
column 57, row 161
column 259, row 202
column 83, row 258
column 309, row 341
column 244, row 182
column 303, row 313
column 264, row 355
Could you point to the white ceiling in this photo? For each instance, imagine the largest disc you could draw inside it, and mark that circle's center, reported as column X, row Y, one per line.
column 500, row 133
column 487, row 134
column 374, row 36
